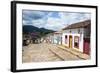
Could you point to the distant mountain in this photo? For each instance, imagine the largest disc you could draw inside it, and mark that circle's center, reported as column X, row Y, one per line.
column 46, row 30
column 31, row 29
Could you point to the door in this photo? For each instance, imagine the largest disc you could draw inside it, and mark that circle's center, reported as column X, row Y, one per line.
column 86, row 49
column 66, row 39
column 70, row 41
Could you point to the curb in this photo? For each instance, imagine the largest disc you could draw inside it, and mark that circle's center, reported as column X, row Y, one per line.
column 78, row 54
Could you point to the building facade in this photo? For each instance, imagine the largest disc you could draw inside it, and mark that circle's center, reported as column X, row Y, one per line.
column 57, row 37
column 77, row 36
column 54, row 38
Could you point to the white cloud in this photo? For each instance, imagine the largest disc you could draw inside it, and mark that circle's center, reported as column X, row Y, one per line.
column 70, row 18
column 39, row 23
column 54, row 24
column 53, row 20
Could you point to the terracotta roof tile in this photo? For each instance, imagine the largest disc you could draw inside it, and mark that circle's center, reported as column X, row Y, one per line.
column 82, row 24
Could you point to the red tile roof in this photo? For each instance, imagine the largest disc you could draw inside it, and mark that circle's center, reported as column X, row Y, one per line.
column 82, row 24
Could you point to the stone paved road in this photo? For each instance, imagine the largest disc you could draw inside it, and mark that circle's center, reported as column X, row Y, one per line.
column 38, row 53
column 41, row 53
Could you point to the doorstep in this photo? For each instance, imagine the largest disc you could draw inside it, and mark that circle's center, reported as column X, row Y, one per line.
column 75, row 52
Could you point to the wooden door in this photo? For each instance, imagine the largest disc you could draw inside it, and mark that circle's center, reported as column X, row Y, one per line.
column 70, row 41
column 86, row 49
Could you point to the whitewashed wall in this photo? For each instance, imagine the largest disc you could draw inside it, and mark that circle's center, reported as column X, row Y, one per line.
column 56, row 38
column 74, row 32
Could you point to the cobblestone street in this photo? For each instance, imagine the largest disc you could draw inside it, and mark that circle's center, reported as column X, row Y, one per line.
column 43, row 52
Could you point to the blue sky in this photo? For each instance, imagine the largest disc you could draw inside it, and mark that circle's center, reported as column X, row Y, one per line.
column 52, row 20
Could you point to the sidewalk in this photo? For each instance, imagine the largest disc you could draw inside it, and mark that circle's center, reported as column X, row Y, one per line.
column 75, row 52
column 63, row 54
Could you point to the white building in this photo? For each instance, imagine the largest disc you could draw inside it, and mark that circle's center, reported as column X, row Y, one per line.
column 57, row 37
column 77, row 36
column 54, row 38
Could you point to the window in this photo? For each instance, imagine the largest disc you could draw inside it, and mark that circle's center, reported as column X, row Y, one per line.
column 76, row 42
column 65, row 39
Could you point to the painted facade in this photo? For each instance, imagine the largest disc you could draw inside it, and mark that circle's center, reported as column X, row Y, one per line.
column 57, row 38
column 54, row 38
column 71, row 36
column 77, row 36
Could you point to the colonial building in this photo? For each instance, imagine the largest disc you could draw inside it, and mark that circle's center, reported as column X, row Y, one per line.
column 49, row 38
column 77, row 36
column 57, row 37
column 54, row 38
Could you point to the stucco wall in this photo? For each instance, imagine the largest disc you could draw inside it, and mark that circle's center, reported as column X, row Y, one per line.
column 74, row 33
column 57, row 38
